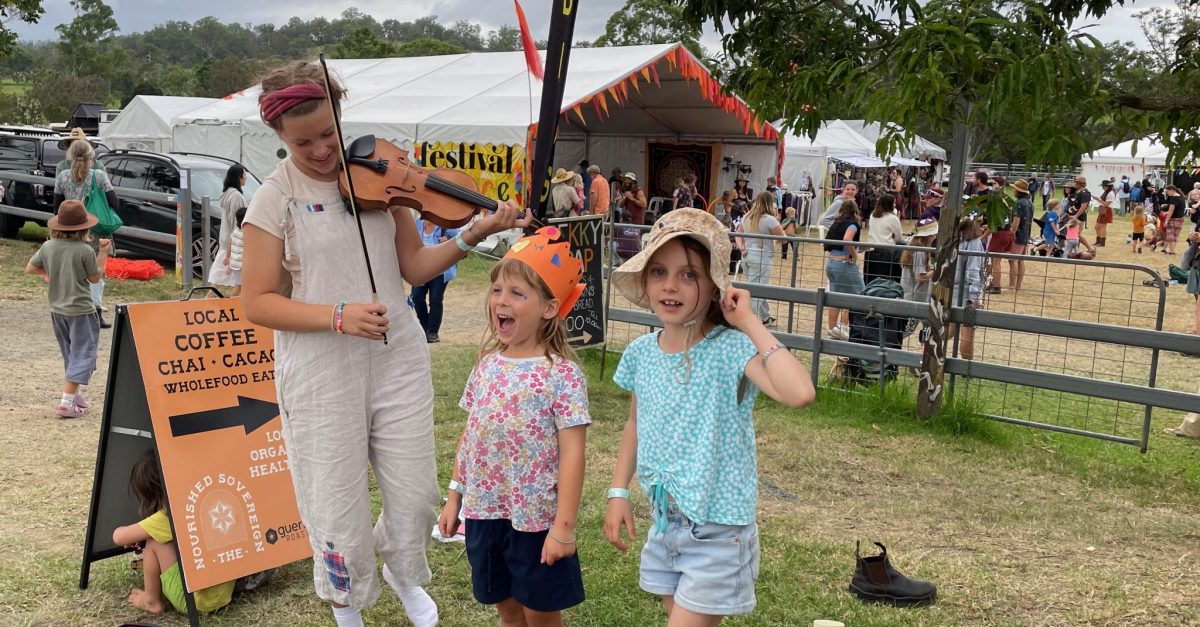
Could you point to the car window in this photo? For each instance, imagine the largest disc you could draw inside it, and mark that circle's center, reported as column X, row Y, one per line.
column 207, row 182
column 163, row 178
column 131, row 173
column 17, row 153
column 113, row 167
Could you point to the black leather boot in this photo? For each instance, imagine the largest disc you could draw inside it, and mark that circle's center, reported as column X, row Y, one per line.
column 104, row 324
column 876, row 580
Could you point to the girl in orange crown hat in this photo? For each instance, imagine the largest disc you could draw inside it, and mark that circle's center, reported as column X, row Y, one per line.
column 518, row 475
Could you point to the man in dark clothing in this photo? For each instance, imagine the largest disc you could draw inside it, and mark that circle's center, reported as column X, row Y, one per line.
column 1022, row 221
column 1081, row 202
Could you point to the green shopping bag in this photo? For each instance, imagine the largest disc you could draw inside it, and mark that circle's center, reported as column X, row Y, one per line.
column 97, row 205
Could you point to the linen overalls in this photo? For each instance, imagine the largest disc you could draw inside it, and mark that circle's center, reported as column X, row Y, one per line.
column 344, row 400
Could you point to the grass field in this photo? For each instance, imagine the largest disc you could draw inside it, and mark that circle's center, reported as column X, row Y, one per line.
column 13, row 88
column 1017, row 526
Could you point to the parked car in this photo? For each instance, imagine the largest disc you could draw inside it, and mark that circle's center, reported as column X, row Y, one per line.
column 157, row 172
column 35, row 154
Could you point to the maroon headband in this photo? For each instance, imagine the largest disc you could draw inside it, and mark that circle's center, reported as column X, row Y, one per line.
column 278, row 102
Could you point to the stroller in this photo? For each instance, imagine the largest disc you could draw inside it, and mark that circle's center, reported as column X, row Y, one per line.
column 873, row 329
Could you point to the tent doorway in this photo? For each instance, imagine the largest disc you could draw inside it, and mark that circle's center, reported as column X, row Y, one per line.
column 668, row 162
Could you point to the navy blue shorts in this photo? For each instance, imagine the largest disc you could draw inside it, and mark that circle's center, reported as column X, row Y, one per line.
column 507, row 563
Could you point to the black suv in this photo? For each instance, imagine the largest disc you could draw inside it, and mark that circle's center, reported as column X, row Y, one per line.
column 35, row 154
column 158, row 172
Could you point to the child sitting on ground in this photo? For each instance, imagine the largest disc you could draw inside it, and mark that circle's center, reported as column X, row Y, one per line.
column 152, row 537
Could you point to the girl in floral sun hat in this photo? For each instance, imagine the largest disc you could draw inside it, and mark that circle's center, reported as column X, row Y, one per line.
column 690, row 434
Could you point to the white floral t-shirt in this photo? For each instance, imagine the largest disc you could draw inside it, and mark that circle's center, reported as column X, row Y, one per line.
column 508, row 459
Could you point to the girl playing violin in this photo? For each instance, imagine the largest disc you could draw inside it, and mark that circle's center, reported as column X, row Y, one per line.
column 345, row 396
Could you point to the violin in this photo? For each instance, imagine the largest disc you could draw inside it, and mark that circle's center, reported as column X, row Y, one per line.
column 384, row 177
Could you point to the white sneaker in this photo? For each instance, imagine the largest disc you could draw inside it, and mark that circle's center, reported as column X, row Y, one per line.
column 836, row 333
column 844, row 329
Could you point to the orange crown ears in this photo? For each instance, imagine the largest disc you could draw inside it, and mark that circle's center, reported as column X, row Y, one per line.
column 552, row 261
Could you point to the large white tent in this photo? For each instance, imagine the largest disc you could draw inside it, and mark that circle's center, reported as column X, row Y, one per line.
column 618, row 103
column 145, row 123
column 1136, row 158
column 849, row 141
column 919, row 148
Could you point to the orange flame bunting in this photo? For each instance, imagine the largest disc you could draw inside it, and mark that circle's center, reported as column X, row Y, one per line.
column 553, row 262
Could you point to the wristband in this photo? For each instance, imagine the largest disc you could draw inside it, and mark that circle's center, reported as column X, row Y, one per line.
column 572, row 541
column 462, row 243
column 771, row 351
column 618, row 493
column 455, row 486
column 337, row 317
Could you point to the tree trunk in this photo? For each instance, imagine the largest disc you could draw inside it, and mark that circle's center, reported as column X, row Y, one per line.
column 933, row 336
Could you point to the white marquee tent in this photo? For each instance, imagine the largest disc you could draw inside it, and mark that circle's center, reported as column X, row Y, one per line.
column 1136, row 158
column 617, row 101
column 145, row 123
column 850, row 141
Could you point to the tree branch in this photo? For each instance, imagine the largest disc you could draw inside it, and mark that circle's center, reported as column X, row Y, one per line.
column 1157, row 104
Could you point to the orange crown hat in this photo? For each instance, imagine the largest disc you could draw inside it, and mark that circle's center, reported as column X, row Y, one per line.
column 553, row 262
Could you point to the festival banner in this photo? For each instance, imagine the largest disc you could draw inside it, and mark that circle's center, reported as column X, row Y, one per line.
column 498, row 169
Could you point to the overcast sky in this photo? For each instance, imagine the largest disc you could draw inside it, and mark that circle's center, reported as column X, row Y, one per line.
column 139, row 15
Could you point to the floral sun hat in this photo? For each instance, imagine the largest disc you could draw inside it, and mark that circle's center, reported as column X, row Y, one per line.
column 694, row 223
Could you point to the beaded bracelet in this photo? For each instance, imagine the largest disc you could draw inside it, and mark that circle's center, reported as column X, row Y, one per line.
column 771, row 351
column 337, row 317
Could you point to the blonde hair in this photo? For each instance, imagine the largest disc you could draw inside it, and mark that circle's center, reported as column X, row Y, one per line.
column 764, row 204
column 551, row 334
column 1072, row 223
column 83, row 235
column 297, row 73
column 81, row 155
column 1054, row 203
column 1139, row 210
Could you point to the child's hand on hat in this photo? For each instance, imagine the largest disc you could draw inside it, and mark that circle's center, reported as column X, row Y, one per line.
column 736, row 307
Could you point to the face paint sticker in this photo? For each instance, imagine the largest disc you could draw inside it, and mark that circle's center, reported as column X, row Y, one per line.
column 556, row 261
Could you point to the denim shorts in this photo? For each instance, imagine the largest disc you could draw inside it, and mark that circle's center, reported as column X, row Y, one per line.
column 844, row 277
column 709, row 568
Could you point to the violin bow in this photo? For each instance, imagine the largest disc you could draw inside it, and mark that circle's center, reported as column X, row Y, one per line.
column 558, row 55
column 362, row 238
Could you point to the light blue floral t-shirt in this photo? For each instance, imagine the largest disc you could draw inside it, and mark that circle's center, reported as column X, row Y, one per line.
column 695, row 435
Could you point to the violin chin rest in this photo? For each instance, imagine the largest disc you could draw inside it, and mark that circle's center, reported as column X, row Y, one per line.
column 362, row 147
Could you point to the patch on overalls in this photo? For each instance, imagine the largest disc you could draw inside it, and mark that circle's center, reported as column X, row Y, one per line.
column 335, row 569
column 314, row 208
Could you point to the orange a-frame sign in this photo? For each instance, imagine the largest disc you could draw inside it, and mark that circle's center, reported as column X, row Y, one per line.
column 210, row 387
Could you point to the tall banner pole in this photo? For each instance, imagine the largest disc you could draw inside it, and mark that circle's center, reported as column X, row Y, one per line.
column 558, row 55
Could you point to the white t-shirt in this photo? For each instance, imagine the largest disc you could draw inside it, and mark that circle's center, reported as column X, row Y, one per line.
column 885, row 229
column 268, row 208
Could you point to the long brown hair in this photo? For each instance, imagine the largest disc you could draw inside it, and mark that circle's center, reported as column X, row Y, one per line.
column 698, row 262
column 552, row 333
column 764, row 204
column 884, row 204
column 146, row 484
column 297, row 73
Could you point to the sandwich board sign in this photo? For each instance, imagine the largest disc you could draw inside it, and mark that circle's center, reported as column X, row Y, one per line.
column 585, row 322
column 195, row 379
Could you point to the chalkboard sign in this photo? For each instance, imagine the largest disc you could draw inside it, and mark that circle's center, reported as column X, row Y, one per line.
column 585, row 323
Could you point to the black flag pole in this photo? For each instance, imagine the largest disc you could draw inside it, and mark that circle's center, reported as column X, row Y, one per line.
column 558, row 55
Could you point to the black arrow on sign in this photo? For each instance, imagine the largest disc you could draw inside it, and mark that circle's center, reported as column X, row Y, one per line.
column 249, row 413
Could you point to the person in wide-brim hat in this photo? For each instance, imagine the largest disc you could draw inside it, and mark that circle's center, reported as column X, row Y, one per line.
column 76, row 133
column 694, row 223
column 1080, row 182
column 561, row 175
column 1020, row 185
column 72, row 216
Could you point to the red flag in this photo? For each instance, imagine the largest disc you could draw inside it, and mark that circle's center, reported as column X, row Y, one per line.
column 532, row 59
